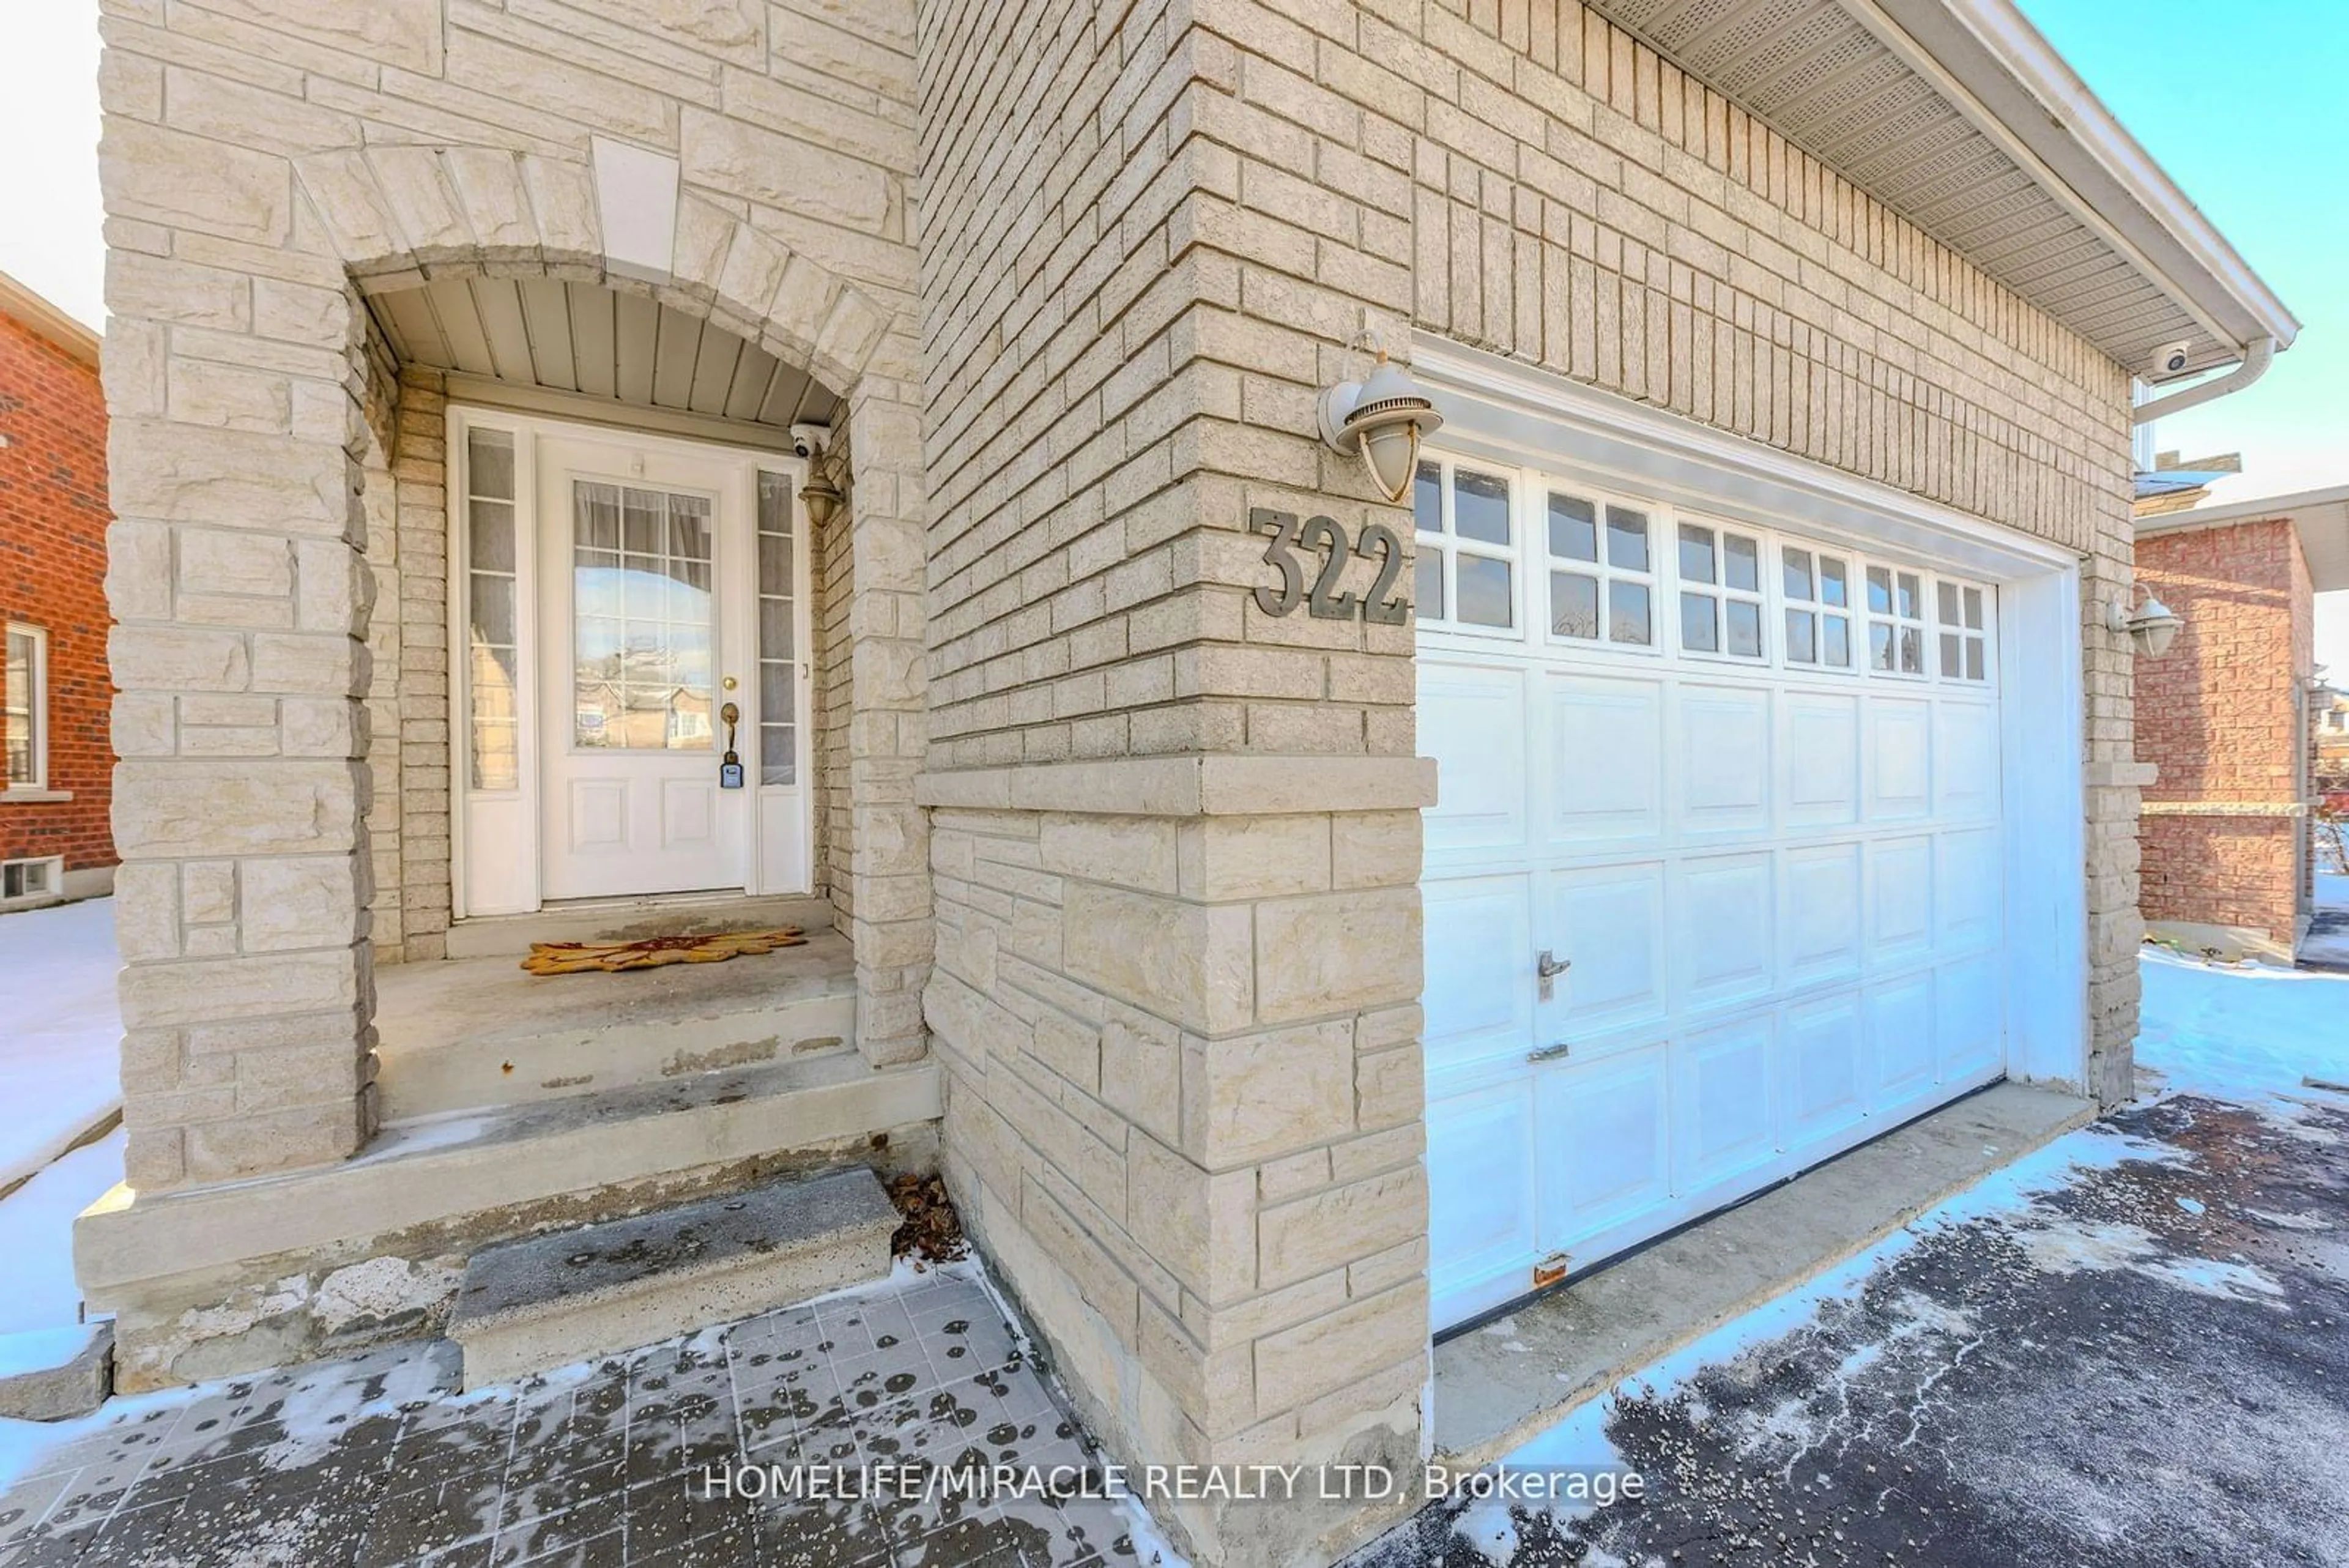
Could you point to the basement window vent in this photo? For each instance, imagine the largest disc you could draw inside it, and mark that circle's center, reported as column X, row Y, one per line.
column 26, row 879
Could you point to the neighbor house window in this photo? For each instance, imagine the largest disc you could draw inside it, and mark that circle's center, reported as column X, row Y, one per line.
column 28, row 707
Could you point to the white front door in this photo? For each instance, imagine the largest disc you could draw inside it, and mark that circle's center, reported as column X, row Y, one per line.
column 639, row 659
column 1714, row 887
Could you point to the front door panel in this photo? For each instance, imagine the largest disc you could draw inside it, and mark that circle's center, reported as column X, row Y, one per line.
column 636, row 644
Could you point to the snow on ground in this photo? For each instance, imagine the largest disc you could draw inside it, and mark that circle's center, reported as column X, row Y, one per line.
column 2241, row 1033
column 36, row 1236
column 60, row 1034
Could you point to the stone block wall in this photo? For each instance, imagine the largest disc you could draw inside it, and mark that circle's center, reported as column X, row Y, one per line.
column 2224, row 715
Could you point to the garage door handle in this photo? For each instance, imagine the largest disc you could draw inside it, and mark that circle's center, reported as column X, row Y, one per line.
column 1549, row 1053
column 1549, row 968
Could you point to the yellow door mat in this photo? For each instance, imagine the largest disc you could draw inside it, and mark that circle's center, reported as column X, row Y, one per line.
column 653, row 952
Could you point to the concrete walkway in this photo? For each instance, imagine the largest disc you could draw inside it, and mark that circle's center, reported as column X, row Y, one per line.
column 375, row 1463
column 2146, row 1362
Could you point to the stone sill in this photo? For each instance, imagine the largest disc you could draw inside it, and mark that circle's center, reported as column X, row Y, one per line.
column 34, row 796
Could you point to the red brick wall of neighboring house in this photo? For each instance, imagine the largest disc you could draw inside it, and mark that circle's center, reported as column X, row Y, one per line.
column 2218, row 713
column 53, row 518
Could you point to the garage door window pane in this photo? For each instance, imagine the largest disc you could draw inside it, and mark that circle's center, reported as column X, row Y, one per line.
column 1798, row 574
column 1486, row 592
column 1629, row 617
column 1430, row 598
column 1480, row 508
column 1573, row 528
column 1835, row 587
column 1627, row 539
column 1698, row 633
column 1427, row 499
column 1815, row 586
column 1801, row 636
column 1574, row 605
column 1879, row 647
column 1835, row 641
column 1696, row 553
column 1742, row 619
column 1741, row 563
column 1963, row 641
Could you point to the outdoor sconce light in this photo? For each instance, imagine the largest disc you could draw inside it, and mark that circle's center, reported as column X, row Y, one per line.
column 819, row 495
column 1380, row 421
column 2154, row 625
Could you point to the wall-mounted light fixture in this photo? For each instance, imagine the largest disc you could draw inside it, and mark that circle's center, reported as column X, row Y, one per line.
column 819, row 495
column 2154, row 625
column 1380, row 419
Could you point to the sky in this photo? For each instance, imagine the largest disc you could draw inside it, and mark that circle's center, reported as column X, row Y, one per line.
column 2242, row 104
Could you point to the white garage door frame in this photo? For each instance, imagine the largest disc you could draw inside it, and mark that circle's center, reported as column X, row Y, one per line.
column 1512, row 415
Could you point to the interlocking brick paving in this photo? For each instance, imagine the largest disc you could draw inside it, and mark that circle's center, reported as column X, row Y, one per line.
column 376, row 1462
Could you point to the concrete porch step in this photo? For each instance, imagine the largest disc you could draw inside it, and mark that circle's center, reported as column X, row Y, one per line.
column 632, row 919
column 465, row 1180
column 458, row 1035
column 571, row 1295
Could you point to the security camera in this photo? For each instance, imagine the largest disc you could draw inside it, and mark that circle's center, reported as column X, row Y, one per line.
column 810, row 440
column 2171, row 358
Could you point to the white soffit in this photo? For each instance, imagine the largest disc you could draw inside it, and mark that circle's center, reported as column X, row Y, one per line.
column 1959, row 115
column 582, row 337
column 2321, row 517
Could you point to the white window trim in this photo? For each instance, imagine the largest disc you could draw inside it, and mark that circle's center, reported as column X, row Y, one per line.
column 35, row 788
column 1494, row 406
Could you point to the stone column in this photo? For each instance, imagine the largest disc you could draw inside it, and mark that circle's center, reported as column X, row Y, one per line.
column 241, row 596
column 891, row 923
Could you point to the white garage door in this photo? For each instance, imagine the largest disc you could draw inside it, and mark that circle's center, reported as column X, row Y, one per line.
column 1740, row 788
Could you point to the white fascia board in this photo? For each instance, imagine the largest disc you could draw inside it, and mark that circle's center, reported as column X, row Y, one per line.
column 1994, row 67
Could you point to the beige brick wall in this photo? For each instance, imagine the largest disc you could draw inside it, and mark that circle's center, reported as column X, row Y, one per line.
column 280, row 643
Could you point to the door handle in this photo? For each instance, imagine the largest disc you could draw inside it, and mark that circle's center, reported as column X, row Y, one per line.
column 1551, row 1053
column 1548, row 967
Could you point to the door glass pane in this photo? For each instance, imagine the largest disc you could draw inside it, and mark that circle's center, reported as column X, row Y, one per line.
column 1745, row 623
column 1429, row 594
column 778, row 632
column 1742, row 558
column 490, row 598
column 1627, row 540
column 1799, row 630
column 490, row 465
column 1427, row 501
column 1573, row 605
column 1696, row 553
column 641, row 630
column 1629, row 617
column 1573, row 528
column 1699, row 634
column 1480, row 510
column 1486, row 597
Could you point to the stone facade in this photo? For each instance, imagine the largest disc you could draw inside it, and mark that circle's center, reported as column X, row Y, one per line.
column 53, row 517
column 2224, row 715
column 1141, row 859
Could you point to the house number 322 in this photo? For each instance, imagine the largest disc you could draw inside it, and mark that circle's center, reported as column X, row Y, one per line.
column 1326, row 537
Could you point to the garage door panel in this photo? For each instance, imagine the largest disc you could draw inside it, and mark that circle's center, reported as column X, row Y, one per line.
column 1480, row 1188
column 1472, row 720
column 1724, row 738
column 1967, row 877
column 1610, row 926
column 1724, row 1121
column 1900, row 1039
column 1823, row 1086
column 1965, row 754
column 1479, row 944
column 1822, row 759
column 1899, row 759
column 1604, row 1128
column 1966, row 1017
column 1606, row 759
column 1899, row 900
column 1722, row 930
column 1819, row 913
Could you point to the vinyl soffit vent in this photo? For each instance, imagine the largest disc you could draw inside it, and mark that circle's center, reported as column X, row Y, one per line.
column 1957, row 115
